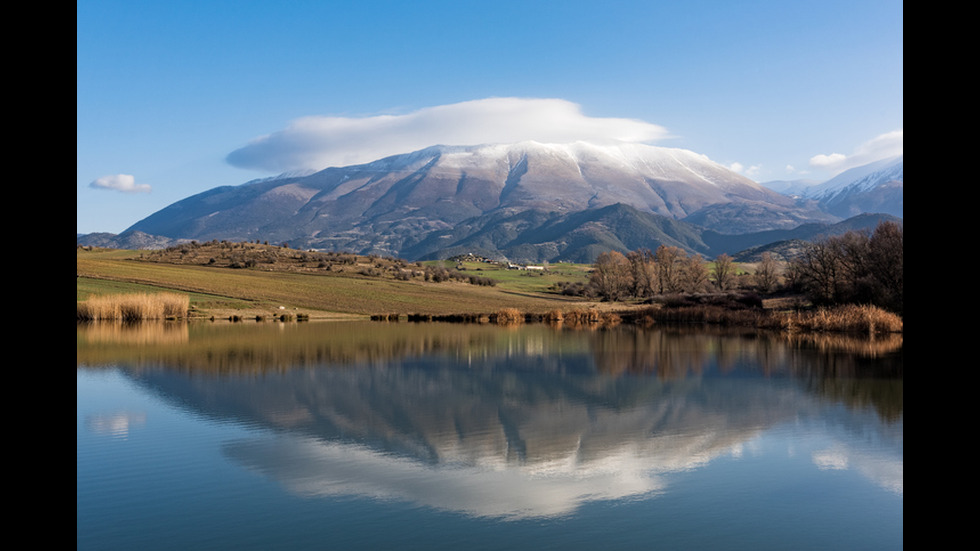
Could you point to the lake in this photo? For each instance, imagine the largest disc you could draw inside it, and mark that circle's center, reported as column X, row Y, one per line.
column 378, row 435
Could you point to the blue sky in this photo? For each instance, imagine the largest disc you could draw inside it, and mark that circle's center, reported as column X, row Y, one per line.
column 177, row 97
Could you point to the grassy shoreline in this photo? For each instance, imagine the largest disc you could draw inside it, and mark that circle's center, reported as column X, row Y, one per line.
column 291, row 292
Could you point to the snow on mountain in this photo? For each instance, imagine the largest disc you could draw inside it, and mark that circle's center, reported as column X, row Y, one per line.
column 391, row 204
column 877, row 187
column 793, row 188
column 860, row 179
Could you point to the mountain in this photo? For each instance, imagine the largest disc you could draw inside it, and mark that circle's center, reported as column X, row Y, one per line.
column 531, row 200
column 129, row 239
column 538, row 236
column 874, row 187
column 787, row 244
column 791, row 187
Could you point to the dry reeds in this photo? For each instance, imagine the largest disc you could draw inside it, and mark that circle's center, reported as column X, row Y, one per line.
column 840, row 319
column 133, row 307
column 508, row 316
column 868, row 320
column 847, row 319
column 513, row 316
column 591, row 318
column 385, row 317
column 554, row 316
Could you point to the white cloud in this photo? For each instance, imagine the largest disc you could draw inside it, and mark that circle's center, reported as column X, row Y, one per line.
column 884, row 146
column 318, row 142
column 125, row 183
column 750, row 171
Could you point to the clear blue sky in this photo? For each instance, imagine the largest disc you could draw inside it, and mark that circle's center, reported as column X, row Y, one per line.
column 171, row 95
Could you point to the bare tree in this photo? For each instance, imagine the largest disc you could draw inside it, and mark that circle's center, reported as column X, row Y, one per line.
column 855, row 268
column 668, row 261
column 724, row 271
column 694, row 274
column 767, row 273
column 827, row 270
column 611, row 276
column 643, row 272
column 885, row 266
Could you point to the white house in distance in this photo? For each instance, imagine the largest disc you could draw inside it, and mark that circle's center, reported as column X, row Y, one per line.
column 511, row 266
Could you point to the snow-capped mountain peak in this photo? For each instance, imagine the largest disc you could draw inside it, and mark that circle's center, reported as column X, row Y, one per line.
column 860, row 179
column 875, row 187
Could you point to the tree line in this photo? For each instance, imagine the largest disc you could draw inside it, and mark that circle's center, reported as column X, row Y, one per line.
column 857, row 267
column 854, row 268
column 667, row 270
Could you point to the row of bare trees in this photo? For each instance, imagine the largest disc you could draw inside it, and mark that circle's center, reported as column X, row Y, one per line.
column 854, row 268
column 858, row 267
column 643, row 273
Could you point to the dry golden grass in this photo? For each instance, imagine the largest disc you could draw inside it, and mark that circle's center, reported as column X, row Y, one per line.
column 508, row 316
column 839, row 319
column 848, row 319
column 134, row 307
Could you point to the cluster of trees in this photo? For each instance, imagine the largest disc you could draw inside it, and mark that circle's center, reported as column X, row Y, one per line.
column 644, row 273
column 854, row 268
column 858, row 267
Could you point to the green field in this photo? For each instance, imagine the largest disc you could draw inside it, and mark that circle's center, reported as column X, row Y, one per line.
column 217, row 290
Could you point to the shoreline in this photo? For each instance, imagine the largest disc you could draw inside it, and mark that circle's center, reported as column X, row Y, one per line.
column 848, row 319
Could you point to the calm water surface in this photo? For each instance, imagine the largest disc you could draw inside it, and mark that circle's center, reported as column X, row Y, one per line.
column 437, row 436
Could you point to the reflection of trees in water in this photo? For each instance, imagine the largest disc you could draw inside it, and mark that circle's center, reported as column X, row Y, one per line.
column 260, row 347
column 676, row 352
column 869, row 376
column 857, row 372
column 636, row 351
column 833, row 366
column 668, row 352
column 884, row 396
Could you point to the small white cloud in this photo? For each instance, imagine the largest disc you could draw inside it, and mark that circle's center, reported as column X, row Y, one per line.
column 125, row 183
column 886, row 145
column 750, row 171
column 318, row 142
column 828, row 161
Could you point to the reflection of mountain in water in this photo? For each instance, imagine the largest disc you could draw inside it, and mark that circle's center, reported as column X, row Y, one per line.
column 502, row 410
column 508, row 423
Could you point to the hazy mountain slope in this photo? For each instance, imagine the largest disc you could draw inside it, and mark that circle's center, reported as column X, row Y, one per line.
column 791, row 187
column 756, row 243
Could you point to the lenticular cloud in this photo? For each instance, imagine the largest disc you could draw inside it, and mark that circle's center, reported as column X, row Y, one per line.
column 313, row 143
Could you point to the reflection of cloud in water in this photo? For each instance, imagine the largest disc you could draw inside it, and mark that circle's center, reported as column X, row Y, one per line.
column 830, row 459
column 885, row 472
column 491, row 487
column 527, row 424
column 116, row 424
